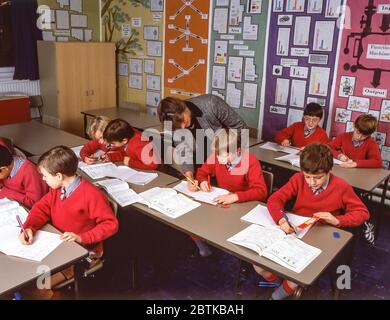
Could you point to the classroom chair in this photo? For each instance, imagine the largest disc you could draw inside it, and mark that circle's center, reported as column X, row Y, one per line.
column 36, row 102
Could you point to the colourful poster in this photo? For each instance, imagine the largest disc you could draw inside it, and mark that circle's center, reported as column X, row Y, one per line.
column 363, row 75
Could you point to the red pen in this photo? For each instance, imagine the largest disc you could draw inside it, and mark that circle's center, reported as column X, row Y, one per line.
column 208, row 182
column 21, row 226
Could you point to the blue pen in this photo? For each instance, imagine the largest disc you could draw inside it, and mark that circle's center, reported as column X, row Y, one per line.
column 267, row 284
column 288, row 221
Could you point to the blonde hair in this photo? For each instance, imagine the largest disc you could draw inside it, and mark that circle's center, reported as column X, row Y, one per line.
column 226, row 140
column 98, row 123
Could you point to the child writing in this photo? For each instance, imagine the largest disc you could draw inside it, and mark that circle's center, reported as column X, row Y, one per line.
column 73, row 205
column 95, row 132
column 357, row 148
column 317, row 192
column 121, row 134
column 19, row 179
column 236, row 170
column 300, row 134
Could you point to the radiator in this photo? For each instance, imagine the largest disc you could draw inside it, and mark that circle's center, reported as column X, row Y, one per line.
column 20, row 87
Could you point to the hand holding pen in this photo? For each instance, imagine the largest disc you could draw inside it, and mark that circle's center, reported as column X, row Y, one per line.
column 26, row 236
column 286, row 225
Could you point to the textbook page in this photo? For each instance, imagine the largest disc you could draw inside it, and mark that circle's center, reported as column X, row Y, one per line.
column 202, row 196
column 257, row 238
column 77, row 151
column 99, row 170
column 133, row 176
column 8, row 211
column 261, row 216
column 44, row 243
column 168, row 201
column 293, row 159
column 276, row 147
column 120, row 191
column 292, row 253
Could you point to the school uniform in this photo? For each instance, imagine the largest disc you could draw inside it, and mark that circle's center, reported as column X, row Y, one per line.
column 81, row 208
column 336, row 197
column 365, row 153
column 24, row 183
column 246, row 181
column 300, row 136
column 115, row 154
column 133, row 149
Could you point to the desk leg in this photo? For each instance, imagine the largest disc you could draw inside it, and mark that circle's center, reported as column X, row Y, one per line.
column 379, row 221
column 78, row 274
column 85, row 126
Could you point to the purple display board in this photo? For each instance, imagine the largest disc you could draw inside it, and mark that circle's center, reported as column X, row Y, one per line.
column 302, row 47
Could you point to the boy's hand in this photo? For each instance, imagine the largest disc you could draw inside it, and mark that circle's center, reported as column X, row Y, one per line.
column 30, row 237
column 204, row 186
column 89, row 160
column 351, row 164
column 285, row 143
column 328, row 218
column 70, row 236
column 226, row 199
column 104, row 158
column 285, row 226
column 126, row 160
column 192, row 187
column 343, row 157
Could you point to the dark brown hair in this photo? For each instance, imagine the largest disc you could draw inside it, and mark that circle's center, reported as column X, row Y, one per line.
column 5, row 156
column 59, row 159
column 172, row 109
column 316, row 158
column 117, row 130
column 313, row 110
column 366, row 124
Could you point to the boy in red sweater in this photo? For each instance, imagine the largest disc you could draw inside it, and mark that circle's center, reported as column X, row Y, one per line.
column 19, row 179
column 138, row 153
column 300, row 134
column 357, row 148
column 317, row 193
column 95, row 132
column 73, row 205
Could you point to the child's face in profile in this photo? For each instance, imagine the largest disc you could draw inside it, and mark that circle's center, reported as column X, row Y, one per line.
column 311, row 122
column 53, row 182
column 358, row 136
column 315, row 181
column 4, row 172
column 99, row 137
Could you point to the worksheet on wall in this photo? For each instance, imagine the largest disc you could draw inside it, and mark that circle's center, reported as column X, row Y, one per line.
column 220, row 20
column 250, row 30
column 233, row 95
column 219, row 77
column 250, row 95
column 220, row 51
column 235, row 69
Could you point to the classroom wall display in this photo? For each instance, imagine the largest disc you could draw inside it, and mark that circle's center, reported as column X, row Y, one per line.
column 302, row 51
column 363, row 76
column 237, row 55
column 136, row 26
column 186, row 47
column 72, row 20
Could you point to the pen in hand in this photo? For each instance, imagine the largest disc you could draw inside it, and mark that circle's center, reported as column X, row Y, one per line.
column 288, row 221
column 26, row 237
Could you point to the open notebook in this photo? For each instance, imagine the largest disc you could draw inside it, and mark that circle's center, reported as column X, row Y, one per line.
column 261, row 216
column 293, row 159
column 274, row 244
column 77, row 151
column 8, row 211
column 277, row 147
column 124, row 173
column 44, row 243
column 202, row 196
column 168, row 201
column 120, row 191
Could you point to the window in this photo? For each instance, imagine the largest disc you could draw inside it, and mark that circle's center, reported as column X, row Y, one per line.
column 6, row 52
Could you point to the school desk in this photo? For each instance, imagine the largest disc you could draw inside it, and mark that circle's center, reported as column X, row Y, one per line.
column 137, row 119
column 215, row 225
column 17, row 273
column 36, row 138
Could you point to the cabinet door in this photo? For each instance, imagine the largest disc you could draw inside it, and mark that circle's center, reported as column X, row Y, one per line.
column 102, row 75
column 73, row 87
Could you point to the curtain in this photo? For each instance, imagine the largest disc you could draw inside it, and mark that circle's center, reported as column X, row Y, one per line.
column 25, row 35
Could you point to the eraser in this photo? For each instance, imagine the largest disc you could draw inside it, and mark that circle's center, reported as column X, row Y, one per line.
column 336, row 235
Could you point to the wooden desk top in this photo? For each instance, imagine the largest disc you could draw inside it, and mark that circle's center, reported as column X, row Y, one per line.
column 365, row 179
column 36, row 138
column 139, row 120
column 18, row 272
column 215, row 225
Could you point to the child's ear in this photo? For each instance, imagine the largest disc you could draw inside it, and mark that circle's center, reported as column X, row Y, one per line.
column 59, row 176
column 125, row 141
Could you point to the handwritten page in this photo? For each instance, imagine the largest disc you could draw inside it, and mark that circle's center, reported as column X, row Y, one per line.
column 276, row 147
column 120, row 191
column 8, row 211
column 261, row 216
column 97, row 171
column 77, row 151
column 44, row 243
column 206, row 197
column 293, row 159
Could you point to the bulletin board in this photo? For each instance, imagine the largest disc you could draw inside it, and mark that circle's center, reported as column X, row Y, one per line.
column 363, row 78
column 302, row 51
column 186, row 47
